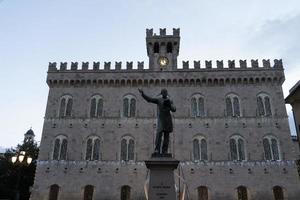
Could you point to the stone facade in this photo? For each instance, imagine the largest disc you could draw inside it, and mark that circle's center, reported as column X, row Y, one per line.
column 226, row 165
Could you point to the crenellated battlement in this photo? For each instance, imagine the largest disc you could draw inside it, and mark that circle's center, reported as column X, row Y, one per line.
column 162, row 32
column 95, row 66
column 186, row 65
column 233, row 64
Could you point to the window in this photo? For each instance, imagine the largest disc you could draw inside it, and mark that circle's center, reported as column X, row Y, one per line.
column 278, row 193
column 232, row 106
column 202, row 193
column 237, row 148
column 197, row 105
column 129, row 106
column 271, row 148
column 65, row 109
column 199, row 148
column 125, row 192
column 242, row 193
column 53, row 193
column 156, row 47
column 169, row 47
column 127, row 148
column 264, row 105
column 60, row 148
column 92, row 148
column 88, row 192
column 96, row 108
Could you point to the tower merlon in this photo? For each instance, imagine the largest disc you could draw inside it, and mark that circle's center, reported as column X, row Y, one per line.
column 162, row 32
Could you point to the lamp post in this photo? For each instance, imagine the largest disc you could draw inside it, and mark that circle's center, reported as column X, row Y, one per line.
column 20, row 159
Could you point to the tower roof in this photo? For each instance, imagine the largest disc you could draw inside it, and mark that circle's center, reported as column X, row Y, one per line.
column 29, row 132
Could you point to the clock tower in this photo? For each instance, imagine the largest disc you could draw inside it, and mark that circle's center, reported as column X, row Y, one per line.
column 162, row 49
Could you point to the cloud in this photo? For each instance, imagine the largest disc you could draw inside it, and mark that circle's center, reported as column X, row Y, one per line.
column 278, row 37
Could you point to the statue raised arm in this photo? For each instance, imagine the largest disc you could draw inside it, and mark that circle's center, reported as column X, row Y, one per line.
column 164, row 125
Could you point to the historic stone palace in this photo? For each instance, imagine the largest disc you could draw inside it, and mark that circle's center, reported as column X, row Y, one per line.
column 231, row 132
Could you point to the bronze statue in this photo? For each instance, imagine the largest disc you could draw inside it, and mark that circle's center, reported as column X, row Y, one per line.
column 165, row 126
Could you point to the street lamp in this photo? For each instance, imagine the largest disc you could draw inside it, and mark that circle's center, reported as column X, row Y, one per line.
column 18, row 159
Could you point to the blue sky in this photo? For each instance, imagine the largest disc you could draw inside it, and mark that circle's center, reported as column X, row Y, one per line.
column 33, row 33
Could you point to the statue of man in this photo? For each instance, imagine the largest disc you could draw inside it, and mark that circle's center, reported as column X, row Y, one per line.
column 165, row 126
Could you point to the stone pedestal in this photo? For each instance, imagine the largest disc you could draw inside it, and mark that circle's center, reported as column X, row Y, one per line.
column 162, row 183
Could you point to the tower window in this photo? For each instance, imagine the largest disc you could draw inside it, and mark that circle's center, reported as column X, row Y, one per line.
column 271, row 148
column 169, row 47
column 60, row 148
column 237, row 149
column 127, row 148
column 156, row 47
column 264, row 105
column 66, row 103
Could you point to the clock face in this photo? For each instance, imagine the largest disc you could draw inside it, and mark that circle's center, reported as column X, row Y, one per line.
column 163, row 61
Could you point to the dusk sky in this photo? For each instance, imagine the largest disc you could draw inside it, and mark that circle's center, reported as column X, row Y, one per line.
column 35, row 32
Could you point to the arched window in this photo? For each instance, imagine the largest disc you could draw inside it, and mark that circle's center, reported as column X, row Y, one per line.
column 156, row 47
column 202, row 193
column 263, row 105
column 53, row 192
column 232, row 106
column 96, row 108
column 127, row 148
column 125, row 192
column 271, row 149
column 169, row 47
column 60, row 148
column 242, row 193
column 197, row 105
column 65, row 107
column 237, row 148
column 129, row 106
column 278, row 193
column 88, row 192
column 199, row 148
column 92, row 148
